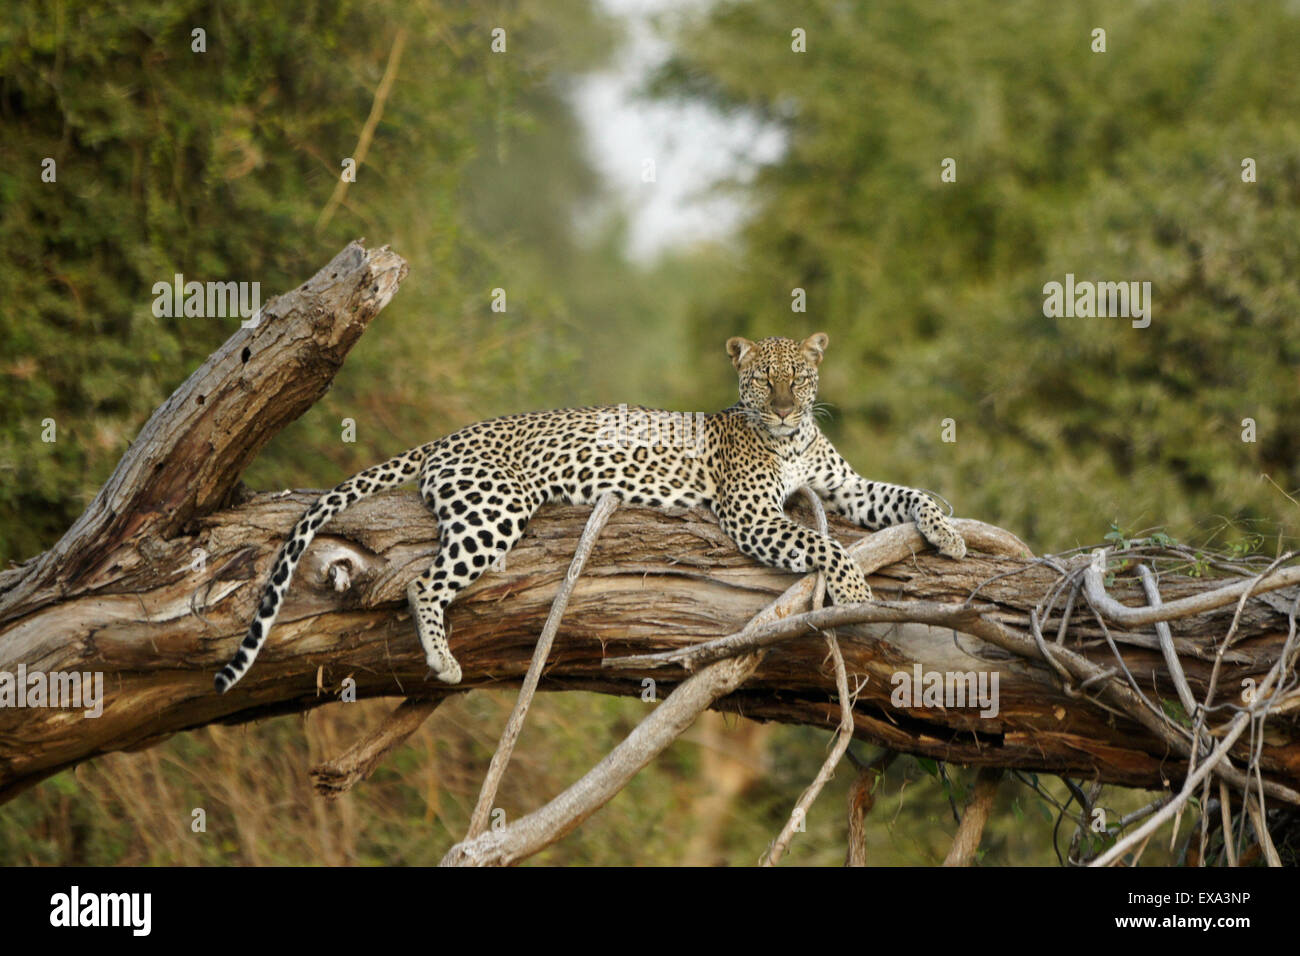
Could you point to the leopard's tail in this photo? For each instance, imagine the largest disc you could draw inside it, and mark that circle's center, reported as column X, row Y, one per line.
column 390, row 474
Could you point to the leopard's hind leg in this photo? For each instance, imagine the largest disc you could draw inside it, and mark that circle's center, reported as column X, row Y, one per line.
column 482, row 512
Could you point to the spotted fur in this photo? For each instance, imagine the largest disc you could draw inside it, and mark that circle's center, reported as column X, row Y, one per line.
column 485, row 481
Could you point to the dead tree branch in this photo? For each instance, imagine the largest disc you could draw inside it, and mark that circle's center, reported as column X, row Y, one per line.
column 971, row 830
column 335, row 777
column 862, row 798
column 515, row 725
column 602, row 783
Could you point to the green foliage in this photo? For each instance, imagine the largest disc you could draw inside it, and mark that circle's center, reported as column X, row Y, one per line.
column 1174, row 711
column 217, row 165
column 1123, row 165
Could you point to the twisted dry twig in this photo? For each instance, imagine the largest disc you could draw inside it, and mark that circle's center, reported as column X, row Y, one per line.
column 515, row 724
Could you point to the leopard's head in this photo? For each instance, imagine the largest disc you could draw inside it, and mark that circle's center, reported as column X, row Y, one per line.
column 778, row 379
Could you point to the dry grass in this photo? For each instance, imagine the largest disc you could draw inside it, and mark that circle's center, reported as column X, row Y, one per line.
column 718, row 796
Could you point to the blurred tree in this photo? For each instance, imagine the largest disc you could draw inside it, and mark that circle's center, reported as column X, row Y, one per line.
column 1116, row 166
column 217, row 164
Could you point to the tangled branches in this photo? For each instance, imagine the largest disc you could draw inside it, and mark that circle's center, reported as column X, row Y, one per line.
column 1218, row 735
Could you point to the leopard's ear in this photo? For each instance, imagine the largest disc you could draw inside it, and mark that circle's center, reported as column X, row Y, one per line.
column 739, row 349
column 815, row 346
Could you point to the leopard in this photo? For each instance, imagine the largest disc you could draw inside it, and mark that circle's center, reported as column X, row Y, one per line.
column 485, row 481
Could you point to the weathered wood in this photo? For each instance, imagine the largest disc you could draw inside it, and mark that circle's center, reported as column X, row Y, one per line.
column 190, row 454
column 656, row 581
column 339, row 775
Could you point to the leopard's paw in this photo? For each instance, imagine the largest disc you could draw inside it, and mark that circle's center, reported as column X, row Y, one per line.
column 953, row 547
column 852, row 588
column 444, row 667
column 939, row 531
column 450, row 674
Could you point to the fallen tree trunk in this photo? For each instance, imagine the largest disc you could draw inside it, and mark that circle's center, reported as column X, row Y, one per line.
column 154, row 586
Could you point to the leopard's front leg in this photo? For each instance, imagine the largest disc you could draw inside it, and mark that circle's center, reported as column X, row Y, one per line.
column 875, row 504
column 935, row 526
column 779, row 542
